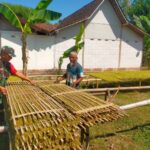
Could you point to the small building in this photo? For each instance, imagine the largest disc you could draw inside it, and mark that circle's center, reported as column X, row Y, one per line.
column 110, row 41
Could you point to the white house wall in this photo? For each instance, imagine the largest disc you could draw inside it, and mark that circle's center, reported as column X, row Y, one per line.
column 104, row 24
column 132, row 49
column 65, row 40
column 101, row 54
column 102, row 39
column 41, row 54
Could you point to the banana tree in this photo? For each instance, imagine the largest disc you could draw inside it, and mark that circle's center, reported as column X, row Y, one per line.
column 38, row 15
column 77, row 47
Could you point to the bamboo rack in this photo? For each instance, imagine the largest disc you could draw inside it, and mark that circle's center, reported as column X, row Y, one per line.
column 39, row 122
column 49, row 116
column 90, row 108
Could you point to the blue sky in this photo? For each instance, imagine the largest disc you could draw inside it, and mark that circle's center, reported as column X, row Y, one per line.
column 66, row 7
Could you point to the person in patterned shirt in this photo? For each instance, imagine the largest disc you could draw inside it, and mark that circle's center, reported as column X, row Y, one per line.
column 7, row 69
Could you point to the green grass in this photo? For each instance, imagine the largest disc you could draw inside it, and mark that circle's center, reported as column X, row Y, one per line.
column 122, row 75
column 14, row 78
column 129, row 133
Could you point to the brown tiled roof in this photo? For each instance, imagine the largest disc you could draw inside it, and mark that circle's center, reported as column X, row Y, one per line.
column 85, row 13
column 118, row 11
column 81, row 15
column 44, row 28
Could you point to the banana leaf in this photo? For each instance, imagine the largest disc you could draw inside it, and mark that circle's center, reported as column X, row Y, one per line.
column 52, row 15
column 20, row 10
column 79, row 36
column 67, row 53
column 40, row 13
column 43, row 4
column 43, row 16
column 8, row 13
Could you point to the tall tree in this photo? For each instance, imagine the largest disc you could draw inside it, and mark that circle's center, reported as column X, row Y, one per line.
column 138, row 13
column 38, row 15
column 125, row 5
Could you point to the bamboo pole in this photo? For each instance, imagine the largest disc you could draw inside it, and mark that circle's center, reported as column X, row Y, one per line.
column 114, row 89
column 135, row 105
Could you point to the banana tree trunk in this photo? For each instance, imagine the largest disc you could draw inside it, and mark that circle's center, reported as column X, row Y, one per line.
column 24, row 53
column 59, row 65
column 59, row 70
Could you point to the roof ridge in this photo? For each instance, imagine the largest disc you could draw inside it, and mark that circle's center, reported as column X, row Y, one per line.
column 81, row 14
column 85, row 6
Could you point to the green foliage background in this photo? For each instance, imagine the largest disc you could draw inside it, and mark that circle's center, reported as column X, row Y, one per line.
column 138, row 13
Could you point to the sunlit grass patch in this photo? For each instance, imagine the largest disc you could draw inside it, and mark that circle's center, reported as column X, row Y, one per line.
column 122, row 75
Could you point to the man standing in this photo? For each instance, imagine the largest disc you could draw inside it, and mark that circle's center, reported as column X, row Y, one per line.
column 74, row 72
column 7, row 69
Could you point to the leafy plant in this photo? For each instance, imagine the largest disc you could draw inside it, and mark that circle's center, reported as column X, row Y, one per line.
column 20, row 11
column 138, row 13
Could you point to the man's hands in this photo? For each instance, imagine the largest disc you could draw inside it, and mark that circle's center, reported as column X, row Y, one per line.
column 59, row 79
column 3, row 90
column 23, row 77
column 32, row 82
column 74, row 84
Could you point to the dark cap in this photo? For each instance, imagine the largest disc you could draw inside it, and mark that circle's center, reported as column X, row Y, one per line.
column 8, row 50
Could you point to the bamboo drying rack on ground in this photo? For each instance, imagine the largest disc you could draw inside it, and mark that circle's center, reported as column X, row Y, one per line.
column 90, row 108
column 37, row 121
column 48, row 116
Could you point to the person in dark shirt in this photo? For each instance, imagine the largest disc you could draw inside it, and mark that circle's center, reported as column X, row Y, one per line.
column 7, row 68
column 74, row 72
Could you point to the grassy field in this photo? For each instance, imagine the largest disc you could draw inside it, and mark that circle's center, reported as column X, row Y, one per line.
column 122, row 75
column 113, row 75
column 129, row 133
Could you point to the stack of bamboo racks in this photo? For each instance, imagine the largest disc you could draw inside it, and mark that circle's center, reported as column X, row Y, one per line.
column 90, row 108
column 49, row 116
column 37, row 122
